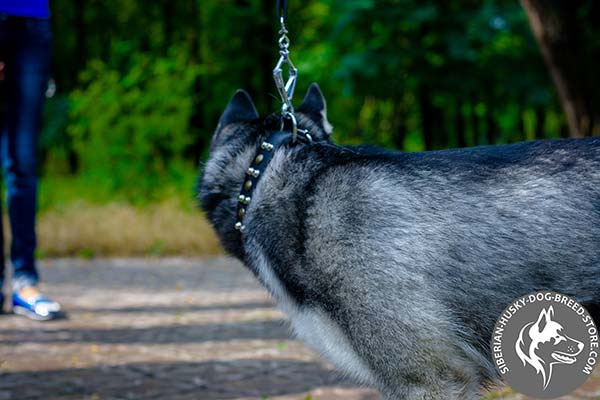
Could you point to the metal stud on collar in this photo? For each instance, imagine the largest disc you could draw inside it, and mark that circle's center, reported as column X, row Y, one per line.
column 244, row 199
column 253, row 172
column 266, row 146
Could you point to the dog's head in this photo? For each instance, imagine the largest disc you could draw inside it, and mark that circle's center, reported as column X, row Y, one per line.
column 239, row 131
column 544, row 343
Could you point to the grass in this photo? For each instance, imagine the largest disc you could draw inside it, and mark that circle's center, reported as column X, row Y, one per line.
column 89, row 230
column 60, row 192
column 78, row 217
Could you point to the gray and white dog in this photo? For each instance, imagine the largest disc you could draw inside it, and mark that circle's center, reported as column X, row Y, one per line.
column 395, row 266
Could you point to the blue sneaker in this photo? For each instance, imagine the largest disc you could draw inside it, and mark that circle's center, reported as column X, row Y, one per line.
column 30, row 303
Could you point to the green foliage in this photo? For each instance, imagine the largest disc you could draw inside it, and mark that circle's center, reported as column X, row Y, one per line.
column 130, row 128
column 55, row 143
column 414, row 71
column 57, row 192
column 144, row 83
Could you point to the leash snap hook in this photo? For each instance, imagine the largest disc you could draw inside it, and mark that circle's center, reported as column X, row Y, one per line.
column 285, row 88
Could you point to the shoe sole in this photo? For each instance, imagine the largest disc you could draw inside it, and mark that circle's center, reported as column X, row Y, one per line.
column 31, row 315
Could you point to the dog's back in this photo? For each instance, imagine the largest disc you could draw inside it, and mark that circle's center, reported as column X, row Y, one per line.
column 414, row 256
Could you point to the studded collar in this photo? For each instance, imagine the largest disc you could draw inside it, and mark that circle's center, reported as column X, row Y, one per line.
column 262, row 157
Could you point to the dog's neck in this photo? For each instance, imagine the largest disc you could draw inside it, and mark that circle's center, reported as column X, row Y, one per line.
column 226, row 173
column 264, row 153
column 260, row 161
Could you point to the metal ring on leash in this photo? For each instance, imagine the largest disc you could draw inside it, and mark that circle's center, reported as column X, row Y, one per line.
column 292, row 118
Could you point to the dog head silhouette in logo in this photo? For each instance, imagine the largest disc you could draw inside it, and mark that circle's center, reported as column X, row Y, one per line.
column 543, row 343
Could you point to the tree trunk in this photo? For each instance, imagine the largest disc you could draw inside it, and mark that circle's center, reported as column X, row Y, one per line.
column 491, row 130
column 540, row 122
column 168, row 11
column 522, row 124
column 267, row 55
column 197, row 123
column 80, row 42
column 475, row 131
column 426, row 117
column 459, row 124
column 555, row 27
column 398, row 125
column 441, row 128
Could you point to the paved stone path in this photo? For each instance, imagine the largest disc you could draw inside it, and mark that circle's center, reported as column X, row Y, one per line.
column 166, row 329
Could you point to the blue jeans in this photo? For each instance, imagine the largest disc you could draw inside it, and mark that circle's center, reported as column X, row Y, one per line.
column 25, row 49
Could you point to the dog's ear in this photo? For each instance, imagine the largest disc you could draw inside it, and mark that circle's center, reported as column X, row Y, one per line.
column 544, row 318
column 240, row 109
column 315, row 107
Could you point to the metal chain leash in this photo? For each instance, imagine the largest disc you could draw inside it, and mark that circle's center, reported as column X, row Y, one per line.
column 285, row 89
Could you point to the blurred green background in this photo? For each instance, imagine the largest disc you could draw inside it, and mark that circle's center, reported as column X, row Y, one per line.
column 141, row 85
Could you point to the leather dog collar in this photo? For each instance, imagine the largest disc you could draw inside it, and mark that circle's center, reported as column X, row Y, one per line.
column 262, row 157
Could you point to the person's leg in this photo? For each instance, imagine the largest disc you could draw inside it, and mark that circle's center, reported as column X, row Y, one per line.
column 1, row 252
column 6, row 52
column 26, row 79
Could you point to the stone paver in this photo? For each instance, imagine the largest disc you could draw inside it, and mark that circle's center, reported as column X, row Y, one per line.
column 161, row 329
column 167, row 329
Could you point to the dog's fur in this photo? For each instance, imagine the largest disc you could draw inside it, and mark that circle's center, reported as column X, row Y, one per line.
column 543, row 343
column 395, row 266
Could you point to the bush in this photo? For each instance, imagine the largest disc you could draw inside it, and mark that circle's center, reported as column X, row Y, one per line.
column 56, row 150
column 130, row 129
